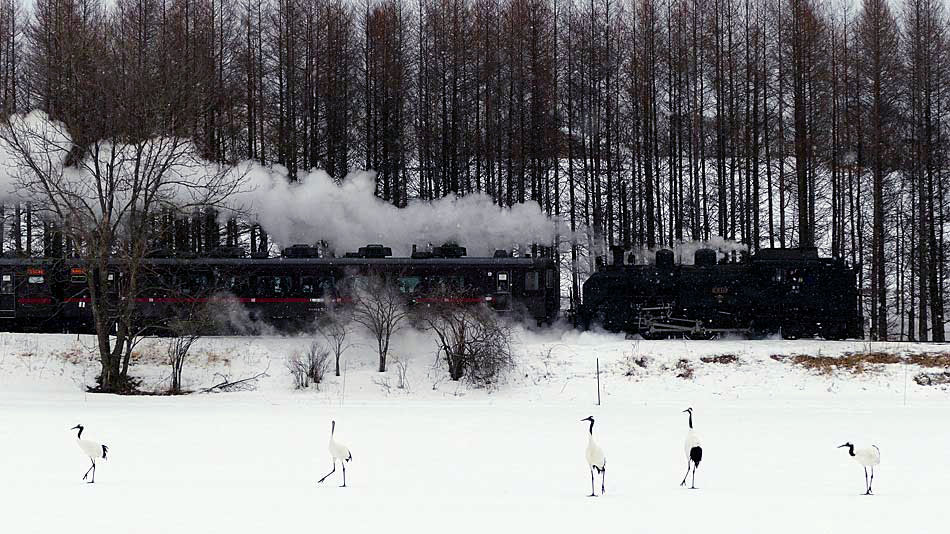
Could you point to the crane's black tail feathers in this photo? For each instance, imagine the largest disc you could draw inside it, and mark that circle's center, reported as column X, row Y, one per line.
column 105, row 450
column 350, row 457
column 696, row 455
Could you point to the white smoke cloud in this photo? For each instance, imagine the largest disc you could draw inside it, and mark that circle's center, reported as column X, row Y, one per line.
column 349, row 215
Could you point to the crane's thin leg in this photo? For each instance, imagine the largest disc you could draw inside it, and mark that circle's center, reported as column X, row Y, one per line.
column 683, row 483
column 93, row 481
column 88, row 470
column 693, row 486
column 592, row 494
column 603, row 479
column 344, row 474
column 871, row 483
column 328, row 474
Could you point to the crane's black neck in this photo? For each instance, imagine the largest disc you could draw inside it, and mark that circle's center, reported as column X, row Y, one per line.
column 850, row 450
column 79, row 434
column 332, row 428
column 591, row 430
column 690, row 419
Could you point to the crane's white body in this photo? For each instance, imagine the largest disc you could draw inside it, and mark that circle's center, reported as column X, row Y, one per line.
column 595, row 455
column 90, row 448
column 338, row 450
column 868, row 457
column 692, row 440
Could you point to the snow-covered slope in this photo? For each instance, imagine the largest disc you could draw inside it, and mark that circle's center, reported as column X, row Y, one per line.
column 438, row 456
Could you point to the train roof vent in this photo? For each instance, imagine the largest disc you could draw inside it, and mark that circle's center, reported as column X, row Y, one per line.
column 422, row 255
column 501, row 253
column 226, row 252
column 449, row 250
column 375, row 251
column 300, row 251
column 705, row 257
column 664, row 258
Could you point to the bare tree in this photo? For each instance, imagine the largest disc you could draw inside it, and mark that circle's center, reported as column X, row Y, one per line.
column 185, row 332
column 104, row 196
column 380, row 308
column 335, row 331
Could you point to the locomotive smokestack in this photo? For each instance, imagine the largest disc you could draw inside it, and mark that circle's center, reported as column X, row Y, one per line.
column 617, row 253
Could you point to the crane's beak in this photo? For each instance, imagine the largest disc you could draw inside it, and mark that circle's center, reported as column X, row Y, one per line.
column 686, row 411
column 841, row 446
column 75, row 427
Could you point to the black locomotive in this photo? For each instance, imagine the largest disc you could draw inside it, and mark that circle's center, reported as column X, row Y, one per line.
column 288, row 292
column 793, row 292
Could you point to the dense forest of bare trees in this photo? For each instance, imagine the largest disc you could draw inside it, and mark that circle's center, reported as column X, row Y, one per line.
column 642, row 123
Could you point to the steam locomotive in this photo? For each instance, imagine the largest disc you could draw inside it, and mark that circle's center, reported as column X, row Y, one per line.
column 793, row 292
column 288, row 292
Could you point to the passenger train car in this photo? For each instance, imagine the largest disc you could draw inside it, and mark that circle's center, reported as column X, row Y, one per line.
column 288, row 292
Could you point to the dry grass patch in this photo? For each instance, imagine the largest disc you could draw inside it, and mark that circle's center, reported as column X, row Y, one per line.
column 929, row 359
column 684, row 369
column 862, row 362
column 721, row 358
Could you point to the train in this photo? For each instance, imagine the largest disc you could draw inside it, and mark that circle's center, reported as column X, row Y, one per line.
column 287, row 293
column 791, row 292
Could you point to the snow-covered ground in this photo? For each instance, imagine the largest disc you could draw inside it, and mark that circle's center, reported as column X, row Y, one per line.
column 442, row 457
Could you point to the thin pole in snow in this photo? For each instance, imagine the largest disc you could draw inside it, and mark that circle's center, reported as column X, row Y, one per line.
column 598, row 381
column 905, row 382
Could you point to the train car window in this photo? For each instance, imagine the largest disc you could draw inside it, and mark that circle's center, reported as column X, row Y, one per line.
column 282, row 285
column 779, row 275
column 36, row 279
column 6, row 284
column 503, row 286
column 549, row 279
column 315, row 285
column 532, row 281
column 409, row 285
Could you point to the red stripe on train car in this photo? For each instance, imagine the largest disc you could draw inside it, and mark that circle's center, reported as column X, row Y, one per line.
column 459, row 300
column 34, row 301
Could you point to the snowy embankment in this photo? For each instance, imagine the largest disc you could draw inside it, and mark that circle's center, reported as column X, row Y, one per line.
column 437, row 456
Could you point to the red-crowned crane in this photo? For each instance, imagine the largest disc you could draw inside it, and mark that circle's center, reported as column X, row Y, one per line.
column 694, row 451
column 92, row 450
column 339, row 452
column 595, row 459
column 868, row 457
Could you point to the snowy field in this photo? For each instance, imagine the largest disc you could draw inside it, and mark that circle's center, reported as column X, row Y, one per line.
column 442, row 457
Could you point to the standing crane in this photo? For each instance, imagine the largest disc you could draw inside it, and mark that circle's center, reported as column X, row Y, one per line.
column 868, row 457
column 693, row 449
column 92, row 450
column 595, row 459
column 339, row 452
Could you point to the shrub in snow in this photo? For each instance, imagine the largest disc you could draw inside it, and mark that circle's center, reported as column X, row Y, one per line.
column 309, row 367
column 476, row 345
